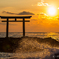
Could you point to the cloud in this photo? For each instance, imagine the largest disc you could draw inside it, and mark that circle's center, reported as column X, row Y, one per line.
column 21, row 13
column 43, row 14
column 2, row 23
column 8, row 12
column 42, row 4
column 26, row 13
column 5, row 24
column 34, row 19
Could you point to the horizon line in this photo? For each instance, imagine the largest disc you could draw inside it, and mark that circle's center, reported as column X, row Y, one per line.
column 29, row 32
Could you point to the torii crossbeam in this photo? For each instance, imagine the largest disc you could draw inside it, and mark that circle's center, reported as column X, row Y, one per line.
column 15, row 17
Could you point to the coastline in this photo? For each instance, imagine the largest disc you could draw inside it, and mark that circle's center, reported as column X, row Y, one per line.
column 11, row 44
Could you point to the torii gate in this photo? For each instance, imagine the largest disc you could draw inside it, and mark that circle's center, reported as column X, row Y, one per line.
column 15, row 17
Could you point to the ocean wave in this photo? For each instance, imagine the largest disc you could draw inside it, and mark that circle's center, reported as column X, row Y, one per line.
column 34, row 48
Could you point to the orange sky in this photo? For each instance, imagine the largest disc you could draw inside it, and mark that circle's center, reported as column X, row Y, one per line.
column 38, row 22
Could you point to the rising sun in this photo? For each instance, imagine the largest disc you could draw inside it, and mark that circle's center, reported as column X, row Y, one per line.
column 52, row 11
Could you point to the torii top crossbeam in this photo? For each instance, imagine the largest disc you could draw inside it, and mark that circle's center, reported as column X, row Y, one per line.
column 15, row 17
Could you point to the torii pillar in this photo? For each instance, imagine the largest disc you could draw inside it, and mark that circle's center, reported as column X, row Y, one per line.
column 9, row 17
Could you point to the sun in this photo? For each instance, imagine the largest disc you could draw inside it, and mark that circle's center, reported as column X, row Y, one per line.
column 52, row 11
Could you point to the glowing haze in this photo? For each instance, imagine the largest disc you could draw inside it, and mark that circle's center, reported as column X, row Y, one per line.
column 45, row 15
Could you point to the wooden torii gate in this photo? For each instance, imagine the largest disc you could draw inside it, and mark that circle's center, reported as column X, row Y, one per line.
column 15, row 17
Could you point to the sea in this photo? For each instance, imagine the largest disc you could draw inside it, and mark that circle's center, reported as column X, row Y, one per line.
column 54, row 35
column 47, row 52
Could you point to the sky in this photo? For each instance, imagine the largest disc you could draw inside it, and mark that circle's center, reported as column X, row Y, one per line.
column 44, row 14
